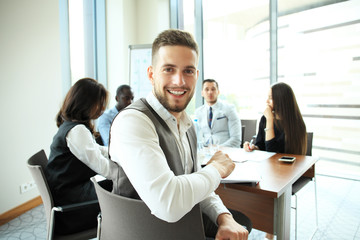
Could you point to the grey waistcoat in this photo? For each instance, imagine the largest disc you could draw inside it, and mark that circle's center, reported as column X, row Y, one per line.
column 168, row 144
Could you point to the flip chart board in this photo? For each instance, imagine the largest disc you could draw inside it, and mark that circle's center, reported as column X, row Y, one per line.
column 139, row 61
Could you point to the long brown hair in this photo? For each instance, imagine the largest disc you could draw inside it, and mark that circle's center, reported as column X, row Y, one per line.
column 85, row 101
column 289, row 118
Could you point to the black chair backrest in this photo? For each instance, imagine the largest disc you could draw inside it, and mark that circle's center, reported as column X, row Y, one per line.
column 309, row 143
column 242, row 135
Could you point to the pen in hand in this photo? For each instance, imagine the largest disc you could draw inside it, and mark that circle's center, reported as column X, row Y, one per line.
column 251, row 143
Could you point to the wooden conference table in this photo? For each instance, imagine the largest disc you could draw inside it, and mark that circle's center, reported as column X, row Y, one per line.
column 268, row 203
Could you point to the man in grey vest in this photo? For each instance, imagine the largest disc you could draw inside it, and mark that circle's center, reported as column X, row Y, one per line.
column 154, row 142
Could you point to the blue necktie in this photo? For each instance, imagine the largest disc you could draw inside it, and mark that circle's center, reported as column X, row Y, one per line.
column 210, row 117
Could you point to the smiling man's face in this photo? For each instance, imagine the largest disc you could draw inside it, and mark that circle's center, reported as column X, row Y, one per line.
column 173, row 76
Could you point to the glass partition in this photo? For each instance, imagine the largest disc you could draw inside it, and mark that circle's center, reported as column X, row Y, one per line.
column 236, row 52
column 318, row 56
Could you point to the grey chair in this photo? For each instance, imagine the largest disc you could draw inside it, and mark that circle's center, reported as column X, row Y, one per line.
column 303, row 180
column 36, row 165
column 127, row 218
column 242, row 135
column 248, row 130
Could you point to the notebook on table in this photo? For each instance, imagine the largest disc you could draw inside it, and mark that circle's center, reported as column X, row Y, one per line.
column 246, row 172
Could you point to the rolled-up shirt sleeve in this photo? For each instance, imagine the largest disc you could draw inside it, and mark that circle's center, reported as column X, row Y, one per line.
column 135, row 146
column 213, row 206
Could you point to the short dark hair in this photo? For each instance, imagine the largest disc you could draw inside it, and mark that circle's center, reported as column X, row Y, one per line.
column 210, row 81
column 121, row 89
column 174, row 37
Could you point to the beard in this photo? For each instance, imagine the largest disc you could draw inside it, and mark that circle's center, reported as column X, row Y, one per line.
column 177, row 106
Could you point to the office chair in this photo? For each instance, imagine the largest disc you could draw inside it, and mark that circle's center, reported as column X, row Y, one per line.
column 248, row 130
column 36, row 165
column 242, row 135
column 127, row 218
column 303, row 180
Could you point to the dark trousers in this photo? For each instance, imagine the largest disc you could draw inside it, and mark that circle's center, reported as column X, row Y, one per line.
column 211, row 228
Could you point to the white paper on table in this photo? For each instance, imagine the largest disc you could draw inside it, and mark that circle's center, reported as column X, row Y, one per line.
column 243, row 156
column 247, row 172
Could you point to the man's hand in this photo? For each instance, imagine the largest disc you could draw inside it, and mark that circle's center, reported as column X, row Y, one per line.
column 229, row 229
column 222, row 163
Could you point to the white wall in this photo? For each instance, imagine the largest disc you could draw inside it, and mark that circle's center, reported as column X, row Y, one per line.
column 30, row 90
column 31, row 87
column 120, row 30
column 131, row 22
column 153, row 17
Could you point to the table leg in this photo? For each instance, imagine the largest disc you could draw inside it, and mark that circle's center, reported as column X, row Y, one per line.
column 283, row 217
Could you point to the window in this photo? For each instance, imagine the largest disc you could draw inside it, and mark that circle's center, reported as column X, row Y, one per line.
column 318, row 56
column 83, row 45
column 76, row 36
column 236, row 50
column 188, row 24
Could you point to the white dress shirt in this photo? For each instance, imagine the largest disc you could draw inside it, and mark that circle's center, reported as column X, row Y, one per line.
column 135, row 146
column 225, row 126
column 83, row 145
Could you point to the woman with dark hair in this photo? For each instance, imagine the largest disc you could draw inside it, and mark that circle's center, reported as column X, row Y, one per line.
column 282, row 128
column 75, row 156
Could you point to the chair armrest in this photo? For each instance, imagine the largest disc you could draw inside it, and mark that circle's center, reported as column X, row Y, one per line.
column 66, row 208
column 75, row 206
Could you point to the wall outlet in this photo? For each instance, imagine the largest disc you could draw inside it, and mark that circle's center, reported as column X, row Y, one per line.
column 27, row 186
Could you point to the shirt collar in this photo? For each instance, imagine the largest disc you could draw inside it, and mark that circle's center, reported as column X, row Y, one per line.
column 185, row 120
column 215, row 106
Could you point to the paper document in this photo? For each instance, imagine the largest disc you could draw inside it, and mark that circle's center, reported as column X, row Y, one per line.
column 247, row 172
column 243, row 156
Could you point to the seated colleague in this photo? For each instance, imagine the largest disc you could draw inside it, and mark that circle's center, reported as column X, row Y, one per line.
column 75, row 156
column 225, row 125
column 124, row 97
column 154, row 141
column 282, row 128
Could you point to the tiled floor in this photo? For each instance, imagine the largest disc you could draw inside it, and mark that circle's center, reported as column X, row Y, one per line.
column 338, row 209
column 30, row 225
column 340, row 169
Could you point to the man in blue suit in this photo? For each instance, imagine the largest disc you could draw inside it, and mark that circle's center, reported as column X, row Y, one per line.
column 218, row 121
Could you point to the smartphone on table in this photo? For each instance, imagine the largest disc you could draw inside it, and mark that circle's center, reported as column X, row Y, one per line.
column 287, row 159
